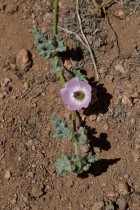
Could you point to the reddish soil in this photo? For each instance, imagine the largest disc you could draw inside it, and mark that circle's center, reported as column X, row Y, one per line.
column 28, row 150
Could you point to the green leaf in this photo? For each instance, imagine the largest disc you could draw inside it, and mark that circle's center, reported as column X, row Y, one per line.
column 61, row 128
column 48, row 47
column 81, row 136
column 64, row 165
column 76, row 164
column 82, row 77
column 84, row 163
column 56, row 66
column 58, row 44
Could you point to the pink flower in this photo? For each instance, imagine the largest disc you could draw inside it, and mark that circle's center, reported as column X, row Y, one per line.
column 76, row 94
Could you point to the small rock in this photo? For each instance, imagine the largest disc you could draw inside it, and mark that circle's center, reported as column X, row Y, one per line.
column 97, row 150
column 136, row 155
column 134, row 202
column 135, row 95
column 132, row 121
column 123, row 188
column 23, row 60
column 127, row 100
column 48, row 187
column 2, row 95
column 137, row 145
column 126, row 176
column 36, row 192
column 93, row 117
column 69, row 184
column 106, row 127
column 111, row 194
column 98, row 205
column 7, row 174
column 7, row 80
column 44, row 30
column 121, row 202
column 121, row 69
column 120, row 14
column 84, row 148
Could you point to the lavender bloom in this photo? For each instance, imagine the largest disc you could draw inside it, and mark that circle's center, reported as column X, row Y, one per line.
column 76, row 94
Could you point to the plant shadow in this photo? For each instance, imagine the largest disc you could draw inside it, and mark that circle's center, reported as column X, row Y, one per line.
column 99, row 167
column 103, row 99
column 76, row 54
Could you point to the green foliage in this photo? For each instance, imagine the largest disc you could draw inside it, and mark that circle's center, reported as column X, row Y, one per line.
column 81, row 136
column 64, row 165
column 56, row 66
column 61, row 128
column 77, row 164
column 48, row 47
column 82, row 77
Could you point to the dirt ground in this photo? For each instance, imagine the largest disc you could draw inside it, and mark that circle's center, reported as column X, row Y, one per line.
column 29, row 95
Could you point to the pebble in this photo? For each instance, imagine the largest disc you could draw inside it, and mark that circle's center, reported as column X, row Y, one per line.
column 97, row 150
column 7, row 80
column 126, row 176
column 120, row 14
column 135, row 95
column 93, row 117
column 137, row 145
column 7, row 174
column 127, row 100
column 132, row 121
column 69, row 184
column 106, row 127
column 121, row 202
column 36, row 192
column 2, row 95
column 44, row 30
column 98, row 205
column 23, row 60
column 111, row 194
column 134, row 202
column 121, row 69
column 123, row 188
column 136, row 155
column 84, row 148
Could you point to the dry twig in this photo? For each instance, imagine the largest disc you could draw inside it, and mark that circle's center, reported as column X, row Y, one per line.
column 86, row 41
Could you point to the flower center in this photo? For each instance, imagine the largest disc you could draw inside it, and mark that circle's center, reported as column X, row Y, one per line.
column 79, row 95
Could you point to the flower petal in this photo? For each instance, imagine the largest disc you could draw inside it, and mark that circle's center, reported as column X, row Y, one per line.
column 65, row 95
column 73, row 83
column 74, row 106
column 86, row 101
column 86, row 87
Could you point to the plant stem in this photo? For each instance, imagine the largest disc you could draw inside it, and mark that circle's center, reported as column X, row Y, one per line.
column 62, row 79
column 74, row 130
column 55, row 17
column 76, row 148
column 74, row 120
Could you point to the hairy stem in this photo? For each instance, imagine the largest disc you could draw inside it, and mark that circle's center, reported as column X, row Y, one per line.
column 55, row 17
column 76, row 148
column 62, row 79
column 74, row 120
column 74, row 130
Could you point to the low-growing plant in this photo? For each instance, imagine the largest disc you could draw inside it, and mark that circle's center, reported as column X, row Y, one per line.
column 75, row 94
